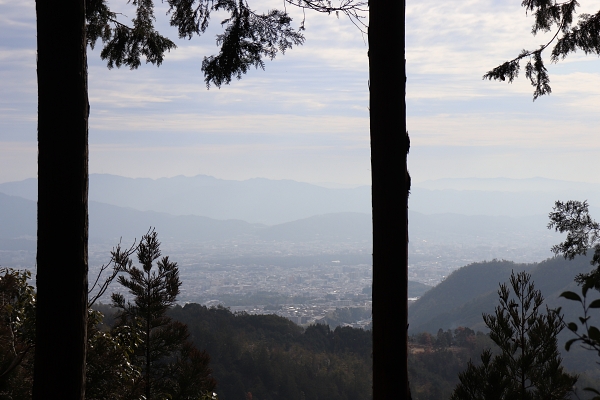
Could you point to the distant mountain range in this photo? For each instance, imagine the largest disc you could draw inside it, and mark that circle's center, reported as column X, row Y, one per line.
column 109, row 223
column 255, row 200
column 274, row 202
column 453, row 224
column 499, row 196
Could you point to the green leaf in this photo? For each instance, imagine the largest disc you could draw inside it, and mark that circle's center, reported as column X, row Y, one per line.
column 595, row 304
column 570, row 296
column 584, row 290
column 569, row 343
column 594, row 334
column 572, row 326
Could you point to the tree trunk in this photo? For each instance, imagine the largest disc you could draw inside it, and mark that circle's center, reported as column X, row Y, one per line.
column 391, row 185
column 63, row 111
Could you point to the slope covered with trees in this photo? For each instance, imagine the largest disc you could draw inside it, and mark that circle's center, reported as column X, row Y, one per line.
column 252, row 356
column 434, row 361
column 468, row 291
column 144, row 354
column 528, row 364
column 273, row 358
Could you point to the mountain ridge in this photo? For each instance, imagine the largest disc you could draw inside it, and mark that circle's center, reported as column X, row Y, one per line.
column 18, row 220
column 109, row 223
column 471, row 290
column 271, row 202
column 256, row 200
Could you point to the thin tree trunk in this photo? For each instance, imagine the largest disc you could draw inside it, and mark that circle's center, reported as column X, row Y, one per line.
column 147, row 344
column 63, row 110
column 391, row 185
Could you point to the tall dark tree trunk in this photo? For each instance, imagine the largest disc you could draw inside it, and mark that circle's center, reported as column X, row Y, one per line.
column 391, row 185
column 63, row 111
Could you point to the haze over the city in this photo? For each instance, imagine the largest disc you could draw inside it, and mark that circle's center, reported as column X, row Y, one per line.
column 263, row 185
column 227, row 242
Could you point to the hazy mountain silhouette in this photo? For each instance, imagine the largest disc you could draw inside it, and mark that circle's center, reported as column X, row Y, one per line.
column 254, row 200
column 18, row 223
column 331, row 227
column 278, row 201
column 477, row 202
column 18, row 217
column 27, row 188
column 109, row 222
column 499, row 196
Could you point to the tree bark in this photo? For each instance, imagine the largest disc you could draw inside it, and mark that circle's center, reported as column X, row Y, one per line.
column 63, row 109
column 390, row 189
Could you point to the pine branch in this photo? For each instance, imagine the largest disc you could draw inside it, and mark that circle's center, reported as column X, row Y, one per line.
column 547, row 14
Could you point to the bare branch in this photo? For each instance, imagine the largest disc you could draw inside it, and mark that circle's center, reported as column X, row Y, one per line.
column 355, row 11
column 119, row 262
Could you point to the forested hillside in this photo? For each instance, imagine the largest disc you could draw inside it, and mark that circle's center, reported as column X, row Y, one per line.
column 470, row 291
column 273, row 358
column 435, row 361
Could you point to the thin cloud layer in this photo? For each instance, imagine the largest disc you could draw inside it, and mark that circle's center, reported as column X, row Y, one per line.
column 306, row 116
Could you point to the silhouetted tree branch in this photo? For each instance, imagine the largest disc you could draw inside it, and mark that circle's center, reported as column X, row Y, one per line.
column 248, row 38
column 567, row 38
column 119, row 260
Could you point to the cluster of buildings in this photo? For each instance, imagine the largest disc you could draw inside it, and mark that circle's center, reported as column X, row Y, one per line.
column 304, row 294
column 304, row 282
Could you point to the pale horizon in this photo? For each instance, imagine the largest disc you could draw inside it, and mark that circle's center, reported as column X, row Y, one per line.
column 306, row 117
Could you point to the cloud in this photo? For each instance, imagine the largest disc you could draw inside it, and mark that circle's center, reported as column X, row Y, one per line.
column 470, row 37
column 348, row 129
column 496, row 130
column 16, row 17
column 307, row 114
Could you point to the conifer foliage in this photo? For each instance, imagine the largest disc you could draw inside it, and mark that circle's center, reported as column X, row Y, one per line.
column 171, row 367
column 529, row 364
column 145, row 355
column 551, row 15
column 583, row 233
column 17, row 333
column 249, row 36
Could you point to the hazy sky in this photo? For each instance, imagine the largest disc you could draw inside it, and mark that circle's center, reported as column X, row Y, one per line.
column 306, row 116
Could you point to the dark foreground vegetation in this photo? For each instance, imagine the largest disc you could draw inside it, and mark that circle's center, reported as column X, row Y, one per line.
column 143, row 346
column 251, row 357
column 273, row 358
column 434, row 361
column 270, row 357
